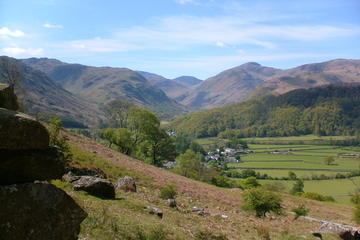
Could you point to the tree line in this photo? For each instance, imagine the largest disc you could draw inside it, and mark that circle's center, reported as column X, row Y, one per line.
column 329, row 110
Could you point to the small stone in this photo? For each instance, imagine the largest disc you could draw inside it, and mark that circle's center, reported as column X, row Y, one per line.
column 171, row 203
column 126, row 184
column 154, row 211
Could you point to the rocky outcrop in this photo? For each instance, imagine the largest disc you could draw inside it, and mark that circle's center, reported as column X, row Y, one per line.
column 36, row 211
column 19, row 131
column 126, row 184
column 20, row 166
column 8, row 98
column 95, row 186
column 32, row 211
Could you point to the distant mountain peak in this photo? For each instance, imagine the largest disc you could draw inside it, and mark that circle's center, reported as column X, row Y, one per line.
column 187, row 81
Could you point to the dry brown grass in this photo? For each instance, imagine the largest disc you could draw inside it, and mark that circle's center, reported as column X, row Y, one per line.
column 239, row 225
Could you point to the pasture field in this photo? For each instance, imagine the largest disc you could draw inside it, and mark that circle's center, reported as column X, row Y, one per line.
column 339, row 189
column 304, row 159
column 298, row 138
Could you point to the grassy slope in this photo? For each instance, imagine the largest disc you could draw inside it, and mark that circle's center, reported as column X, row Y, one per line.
column 121, row 218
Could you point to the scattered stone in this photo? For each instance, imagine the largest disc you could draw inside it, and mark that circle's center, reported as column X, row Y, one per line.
column 8, row 98
column 75, row 174
column 345, row 232
column 20, row 166
column 171, row 203
column 199, row 211
column 154, row 211
column 37, row 211
column 220, row 215
column 70, row 177
column 126, row 184
column 196, row 209
column 95, row 186
column 19, row 131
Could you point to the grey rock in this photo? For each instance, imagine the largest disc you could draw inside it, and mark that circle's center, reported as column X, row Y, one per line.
column 155, row 211
column 20, row 166
column 171, row 203
column 95, row 186
column 19, row 131
column 38, row 211
column 8, row 98
column 126, row 184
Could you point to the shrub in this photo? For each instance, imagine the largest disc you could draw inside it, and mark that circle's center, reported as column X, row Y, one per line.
column 250, row 182
column 355, row 198
column 301, row 210
column 56, row 139
column 317, row 197
column 168, row 192
column 298, row 187
column 262, row 202
column 222, row 181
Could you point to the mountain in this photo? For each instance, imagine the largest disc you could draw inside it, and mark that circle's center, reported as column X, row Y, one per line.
column 326, row 110
column 312, row 75
column 228, row 86
column 170, row 87
column 187, row 81
column 253, row 80
column 43, row 97
column 103, row 84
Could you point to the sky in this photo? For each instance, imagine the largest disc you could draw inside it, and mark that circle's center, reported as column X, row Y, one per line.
column 181, row 37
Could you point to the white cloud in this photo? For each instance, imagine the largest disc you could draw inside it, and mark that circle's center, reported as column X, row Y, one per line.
column 220, row 44
column 48, row 25
column 6, row 32
column 184, row 1
column 16, row 51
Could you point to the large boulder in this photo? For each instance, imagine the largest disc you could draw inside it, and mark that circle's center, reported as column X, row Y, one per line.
column 37, row 211
column 20, row 166
column 19, row 131
column 126, row 184
column 95, row 186
column 8, row 98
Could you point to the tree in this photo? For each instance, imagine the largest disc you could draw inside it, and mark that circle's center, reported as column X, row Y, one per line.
column 355, row 199
column 292, row 175
column 250, row 182
column 56, row 139
column 190, row 165
column 329, row 160
column 298, row 187
column 248, row 173
column 262, row 202
column 117, row 113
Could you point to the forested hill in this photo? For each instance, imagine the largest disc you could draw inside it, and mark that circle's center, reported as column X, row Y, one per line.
column 328, row 110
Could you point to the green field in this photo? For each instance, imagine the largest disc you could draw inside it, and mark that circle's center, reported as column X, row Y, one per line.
column 306, row 160
column 339, row 189
column 298, row 138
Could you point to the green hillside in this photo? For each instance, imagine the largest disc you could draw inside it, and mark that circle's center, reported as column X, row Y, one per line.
column 329, row 110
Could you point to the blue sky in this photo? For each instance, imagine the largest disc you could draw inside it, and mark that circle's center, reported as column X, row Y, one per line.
column 181, row 37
